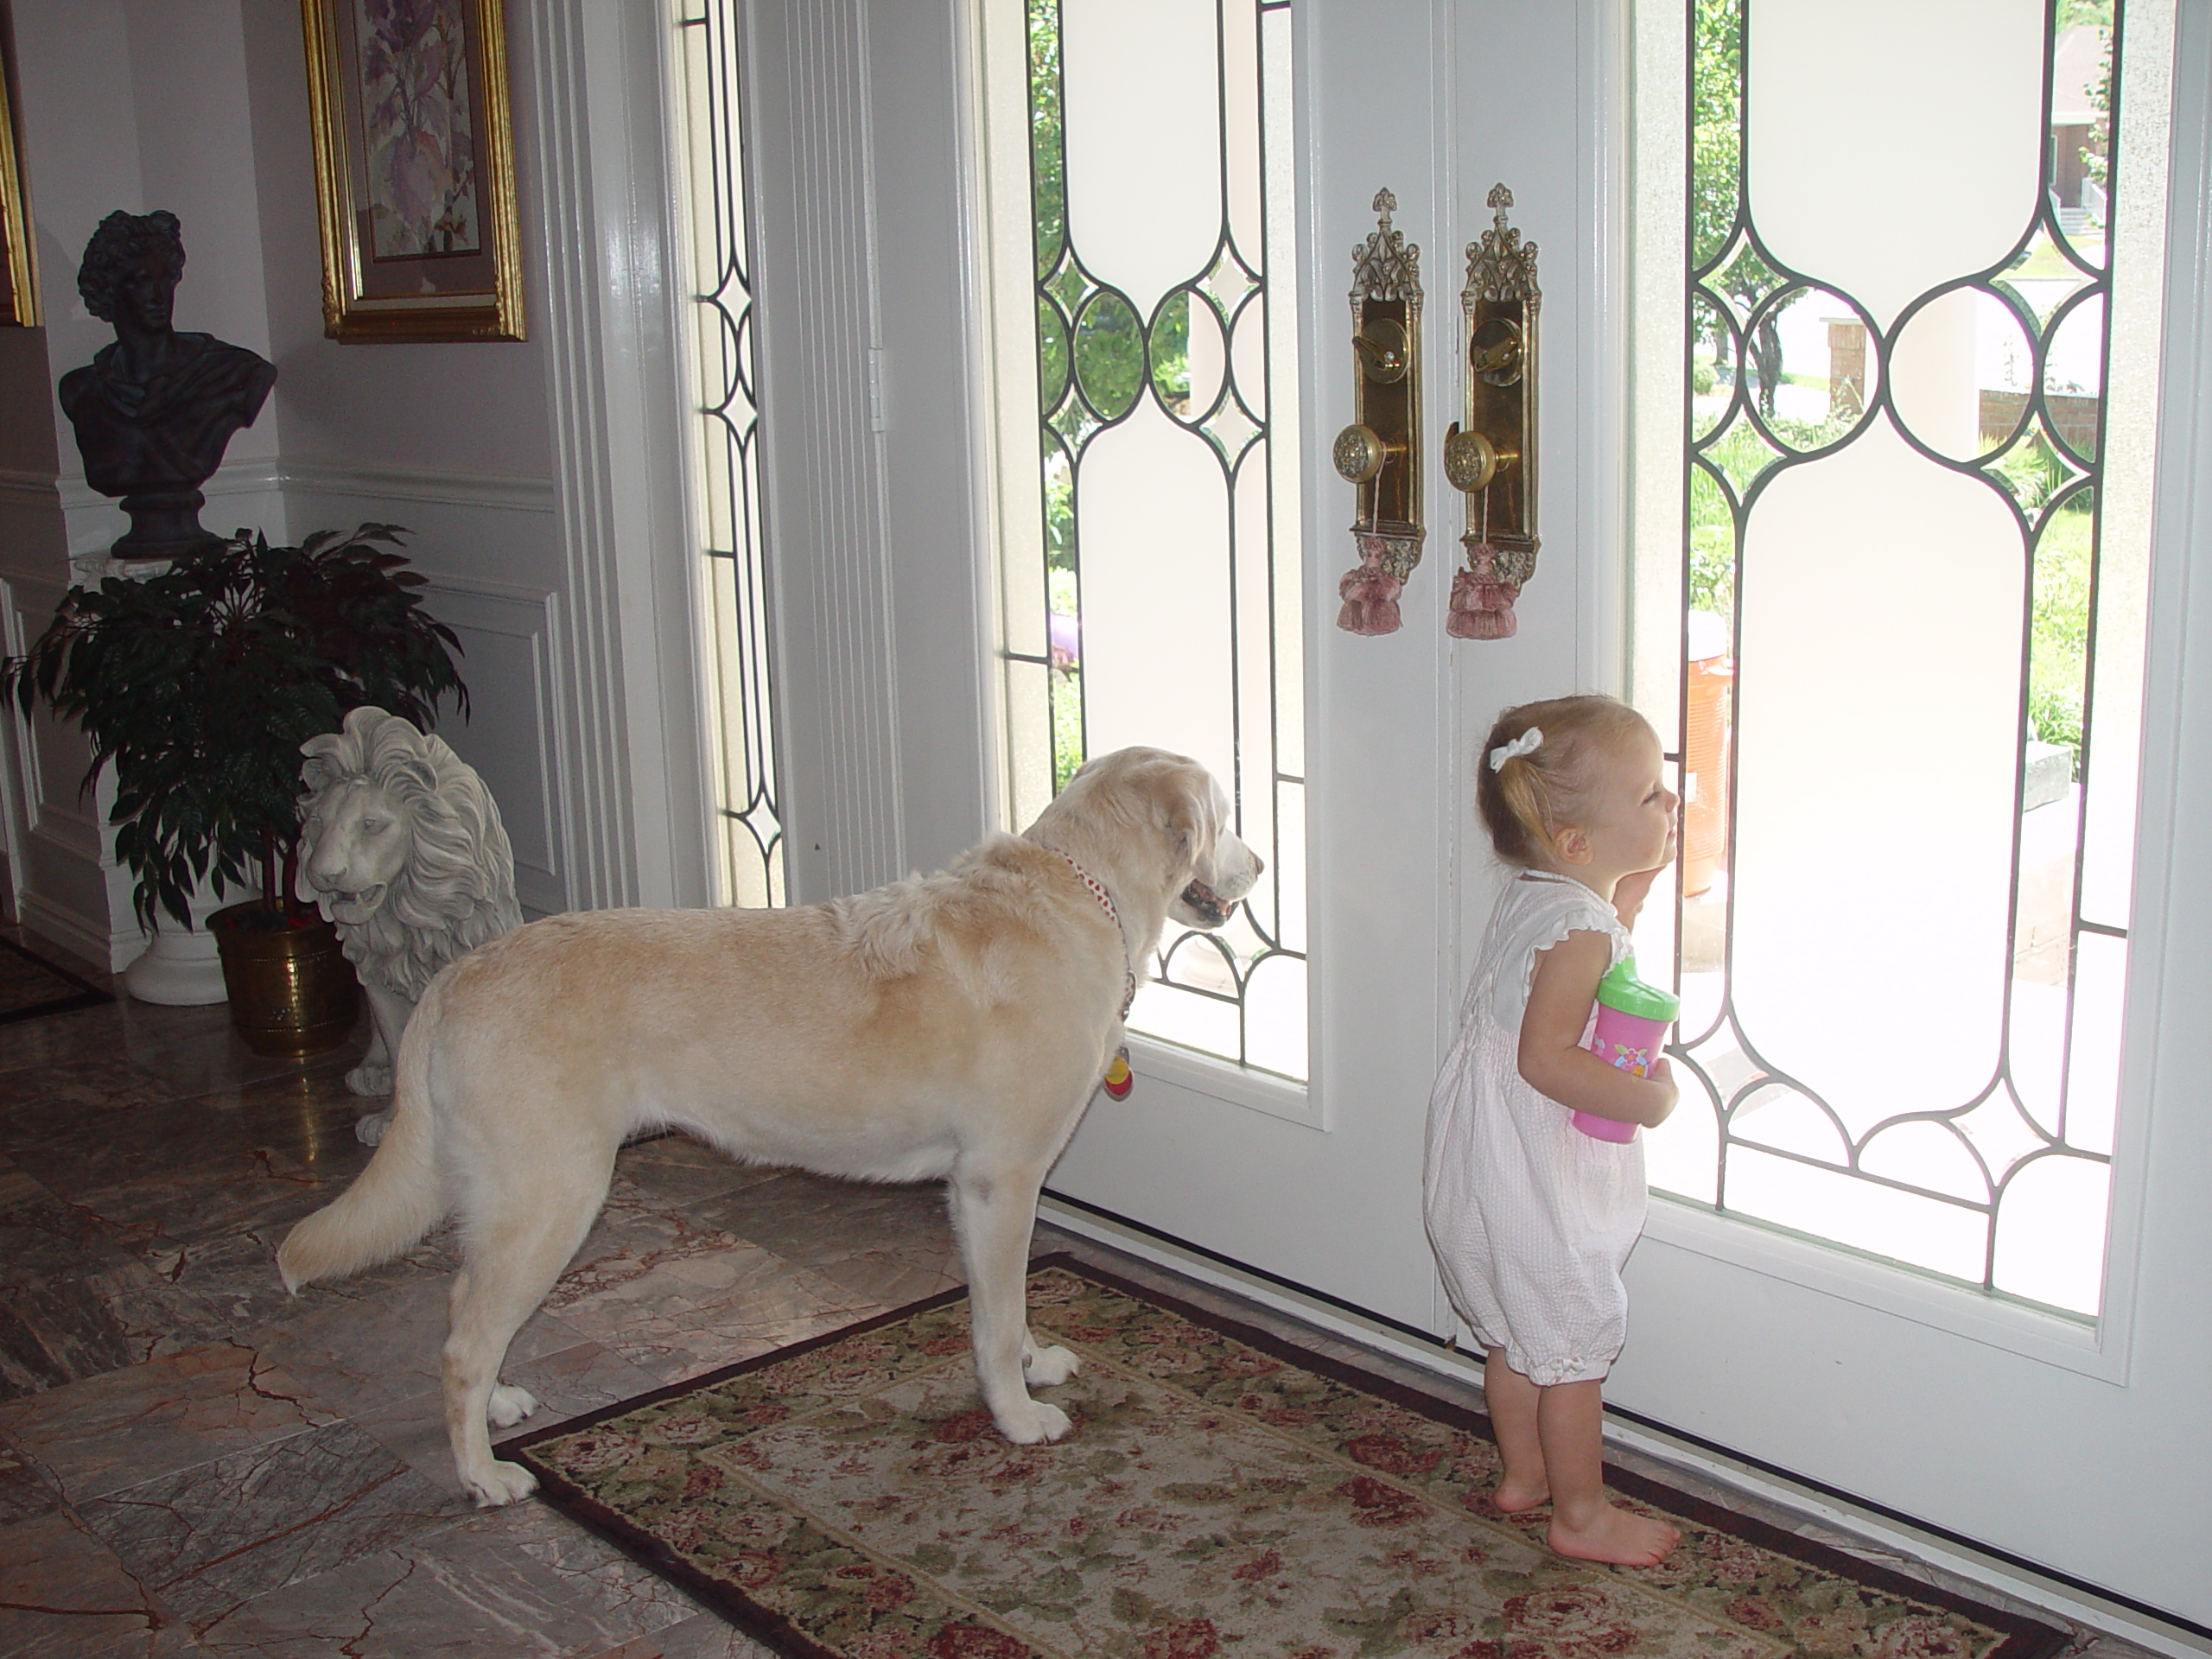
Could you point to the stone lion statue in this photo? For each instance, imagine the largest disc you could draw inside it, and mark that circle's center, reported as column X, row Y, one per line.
column 402, row 847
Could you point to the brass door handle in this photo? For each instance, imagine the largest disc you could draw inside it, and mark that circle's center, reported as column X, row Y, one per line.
column 1490, row 451
column 1360, row 452
column 1471, row 460
column 1380, row 453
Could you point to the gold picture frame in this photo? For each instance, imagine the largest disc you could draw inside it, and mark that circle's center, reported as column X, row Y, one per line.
column 414, row 164
column 18, row 272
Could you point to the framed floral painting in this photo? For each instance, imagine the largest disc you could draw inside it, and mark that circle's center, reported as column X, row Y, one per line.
column 18, row 285
column 414, row 160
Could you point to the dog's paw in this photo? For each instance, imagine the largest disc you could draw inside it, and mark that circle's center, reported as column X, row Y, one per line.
column 500, row 1483
column 1048, row 1367
column 509, row 1406
column 369, row 1130
column 370, row 1078
column 1032, row 1423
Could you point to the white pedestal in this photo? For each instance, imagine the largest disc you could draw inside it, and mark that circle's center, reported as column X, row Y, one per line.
column 179, row 970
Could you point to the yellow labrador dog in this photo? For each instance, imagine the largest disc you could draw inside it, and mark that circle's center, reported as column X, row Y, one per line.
column 949, row 1026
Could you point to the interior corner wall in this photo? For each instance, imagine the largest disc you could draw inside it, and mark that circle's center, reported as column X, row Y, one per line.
column 541, row 479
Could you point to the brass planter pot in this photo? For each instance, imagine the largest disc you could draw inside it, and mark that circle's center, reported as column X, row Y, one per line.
column 292, row 992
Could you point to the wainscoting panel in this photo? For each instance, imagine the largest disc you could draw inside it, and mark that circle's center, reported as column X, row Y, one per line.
column 488, row 547
column 62, row 886
column 507, row 737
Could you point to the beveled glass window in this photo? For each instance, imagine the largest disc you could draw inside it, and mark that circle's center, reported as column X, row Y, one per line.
column 1149, row 546
column 1894, row 436
column 732, row 575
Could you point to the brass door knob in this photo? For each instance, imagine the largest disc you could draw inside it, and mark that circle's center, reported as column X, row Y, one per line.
column 1359, row 453
column 1471, row 460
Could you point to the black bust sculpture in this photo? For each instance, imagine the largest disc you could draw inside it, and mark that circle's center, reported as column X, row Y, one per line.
column 155, row 411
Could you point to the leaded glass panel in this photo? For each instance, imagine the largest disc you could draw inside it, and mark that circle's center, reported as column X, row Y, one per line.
column 734, row 582
column 1901, row 618
column 1155, row 600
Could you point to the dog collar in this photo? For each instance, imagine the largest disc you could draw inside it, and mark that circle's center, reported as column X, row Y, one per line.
column 1106, row 903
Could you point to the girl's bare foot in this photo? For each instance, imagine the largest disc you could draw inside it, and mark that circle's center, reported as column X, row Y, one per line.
column 1611, row 1534
column 1514, row 1494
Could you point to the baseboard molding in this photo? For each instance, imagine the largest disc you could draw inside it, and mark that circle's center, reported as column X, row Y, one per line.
column 81, row 936
column 2076, row 1603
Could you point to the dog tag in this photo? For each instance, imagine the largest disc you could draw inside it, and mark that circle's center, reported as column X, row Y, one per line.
column 1119, row 1080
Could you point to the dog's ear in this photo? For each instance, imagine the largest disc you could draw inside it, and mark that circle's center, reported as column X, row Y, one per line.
column 1188, row 813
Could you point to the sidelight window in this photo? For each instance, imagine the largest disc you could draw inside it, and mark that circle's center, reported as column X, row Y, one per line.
column 727, row 464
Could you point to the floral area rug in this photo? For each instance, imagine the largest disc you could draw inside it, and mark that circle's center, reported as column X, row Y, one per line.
column 30, row 986
column 1223, row 1493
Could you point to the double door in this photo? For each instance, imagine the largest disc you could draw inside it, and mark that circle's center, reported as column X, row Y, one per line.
column 1985, row 1419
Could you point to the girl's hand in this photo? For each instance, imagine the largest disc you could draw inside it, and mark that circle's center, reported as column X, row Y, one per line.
column 1663, row 1075
column 1630, row 892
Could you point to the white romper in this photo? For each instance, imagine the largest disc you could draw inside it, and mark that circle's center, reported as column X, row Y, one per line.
column 1531, row 1219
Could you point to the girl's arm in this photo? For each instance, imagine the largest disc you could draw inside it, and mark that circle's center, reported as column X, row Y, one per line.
column 1552, row 1058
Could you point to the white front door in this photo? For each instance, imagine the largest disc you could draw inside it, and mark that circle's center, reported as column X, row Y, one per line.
column 1978, row 1415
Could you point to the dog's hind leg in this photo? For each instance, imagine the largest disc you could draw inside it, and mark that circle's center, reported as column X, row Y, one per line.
column 514, row 1257
column 995, row 1215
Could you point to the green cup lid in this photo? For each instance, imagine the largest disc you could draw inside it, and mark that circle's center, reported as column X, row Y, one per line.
column 1620, row 988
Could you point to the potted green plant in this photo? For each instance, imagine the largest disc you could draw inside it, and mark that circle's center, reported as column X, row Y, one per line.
column 198, row 685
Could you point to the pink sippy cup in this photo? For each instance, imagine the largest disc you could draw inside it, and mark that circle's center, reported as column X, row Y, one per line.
column 1631, row 1029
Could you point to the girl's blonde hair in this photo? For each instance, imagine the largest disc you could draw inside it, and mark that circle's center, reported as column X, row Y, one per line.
column 1538, row 791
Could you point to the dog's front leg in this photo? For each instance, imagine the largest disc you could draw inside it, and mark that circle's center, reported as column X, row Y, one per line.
column 995, row 1213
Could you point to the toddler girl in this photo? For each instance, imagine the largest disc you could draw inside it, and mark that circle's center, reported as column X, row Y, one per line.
column 1530, row 1218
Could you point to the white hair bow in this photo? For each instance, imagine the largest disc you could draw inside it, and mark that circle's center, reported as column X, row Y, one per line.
column 1527, row 743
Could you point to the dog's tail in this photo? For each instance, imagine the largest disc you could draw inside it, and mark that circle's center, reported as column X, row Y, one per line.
column 399, row 1197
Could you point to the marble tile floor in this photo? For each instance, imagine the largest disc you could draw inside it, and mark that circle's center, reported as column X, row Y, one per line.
column 193, row 1463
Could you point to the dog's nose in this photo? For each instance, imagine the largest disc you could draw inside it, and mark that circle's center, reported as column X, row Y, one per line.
column 1258, row 867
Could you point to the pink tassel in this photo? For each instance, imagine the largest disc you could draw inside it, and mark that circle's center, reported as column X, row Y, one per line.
column 1481, row 605
column 1371, row 597
column 1370, row 618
